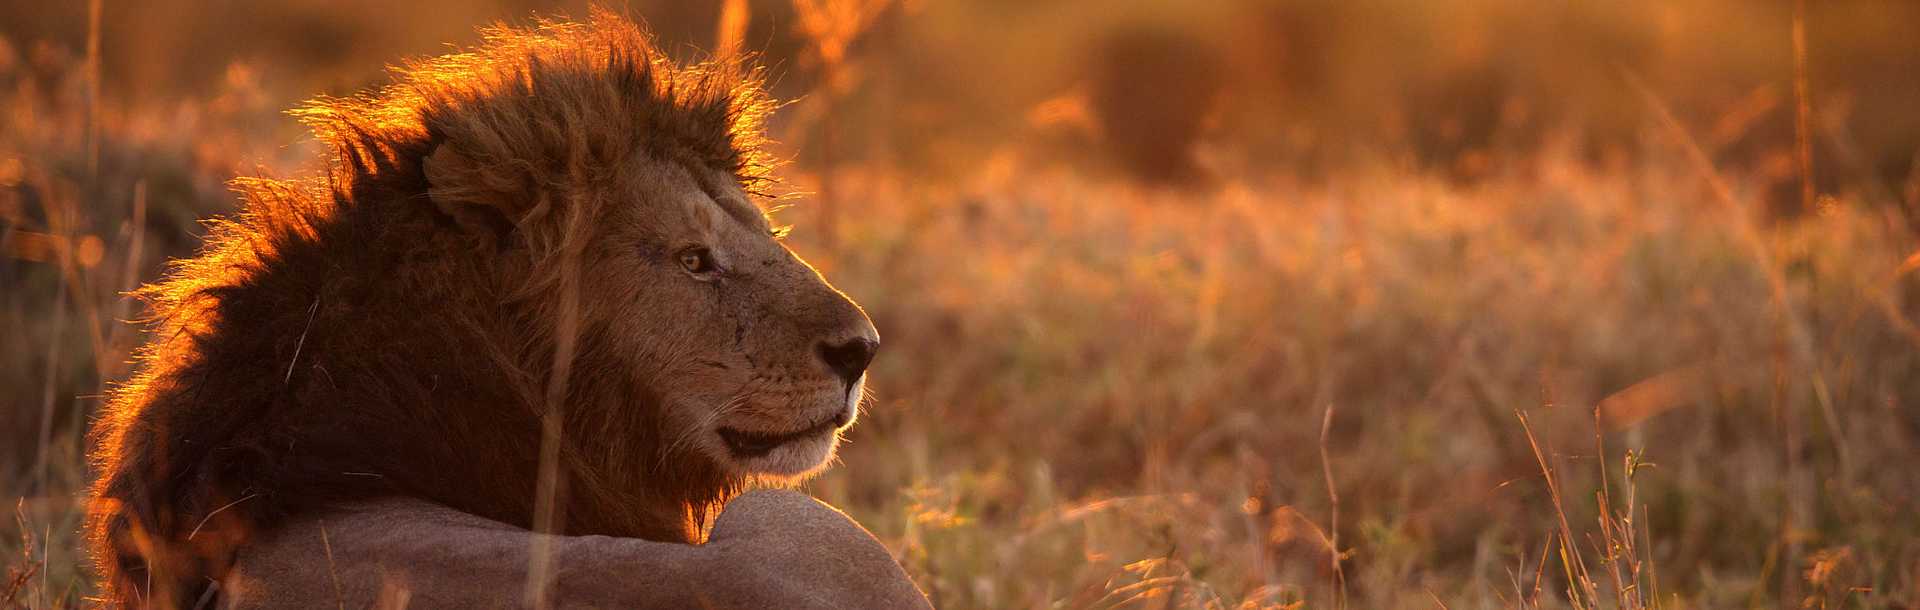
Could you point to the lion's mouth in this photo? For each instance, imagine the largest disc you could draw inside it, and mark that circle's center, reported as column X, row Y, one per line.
column 755, row 444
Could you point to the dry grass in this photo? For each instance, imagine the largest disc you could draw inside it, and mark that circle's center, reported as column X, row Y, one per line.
column 1106, row 390
column 1282, row 391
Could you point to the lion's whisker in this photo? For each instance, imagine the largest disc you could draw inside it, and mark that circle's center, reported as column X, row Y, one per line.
column 727, row 407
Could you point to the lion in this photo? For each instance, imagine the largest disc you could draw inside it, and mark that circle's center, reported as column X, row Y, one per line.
column 533, row 286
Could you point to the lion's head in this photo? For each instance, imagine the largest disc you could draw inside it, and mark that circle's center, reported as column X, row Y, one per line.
column 754, row 361
column 534, row 276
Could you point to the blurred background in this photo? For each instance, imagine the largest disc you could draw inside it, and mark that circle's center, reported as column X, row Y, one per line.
column 1227, row 304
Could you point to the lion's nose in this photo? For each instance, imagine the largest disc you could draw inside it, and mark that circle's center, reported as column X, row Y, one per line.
column 849, row 359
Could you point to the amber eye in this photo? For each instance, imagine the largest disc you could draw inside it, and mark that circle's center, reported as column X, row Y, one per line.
column 697, row 260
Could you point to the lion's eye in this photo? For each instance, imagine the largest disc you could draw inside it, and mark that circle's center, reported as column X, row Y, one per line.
column 697, row 260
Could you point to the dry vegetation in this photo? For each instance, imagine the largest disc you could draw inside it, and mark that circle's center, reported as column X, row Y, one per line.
column 1535, row 361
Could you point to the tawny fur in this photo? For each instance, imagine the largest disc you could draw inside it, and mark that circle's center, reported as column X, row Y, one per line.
column 384, row 332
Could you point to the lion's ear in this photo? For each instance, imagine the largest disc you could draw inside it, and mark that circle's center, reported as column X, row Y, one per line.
column 481, row 199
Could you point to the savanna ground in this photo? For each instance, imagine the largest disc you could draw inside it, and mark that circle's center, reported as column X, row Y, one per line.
column 1237, row 304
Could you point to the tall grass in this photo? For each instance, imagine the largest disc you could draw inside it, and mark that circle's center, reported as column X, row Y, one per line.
column 1090, row 387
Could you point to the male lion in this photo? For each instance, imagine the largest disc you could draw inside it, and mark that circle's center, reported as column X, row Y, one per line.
column 532, row 289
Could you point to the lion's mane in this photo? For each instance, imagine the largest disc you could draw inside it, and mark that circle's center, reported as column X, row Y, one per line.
column 331, row 341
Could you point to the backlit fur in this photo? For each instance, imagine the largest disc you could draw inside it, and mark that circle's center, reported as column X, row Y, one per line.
column 493, row 242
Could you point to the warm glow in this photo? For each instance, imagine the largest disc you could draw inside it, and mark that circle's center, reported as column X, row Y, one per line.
column 1223, row 304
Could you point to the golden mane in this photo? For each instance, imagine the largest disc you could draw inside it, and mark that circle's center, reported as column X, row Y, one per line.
column 262, row 392
column 594, row 90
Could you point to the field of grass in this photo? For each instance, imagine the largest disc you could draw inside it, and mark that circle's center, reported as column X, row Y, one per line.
column 1110, row 394
column 1568, row 380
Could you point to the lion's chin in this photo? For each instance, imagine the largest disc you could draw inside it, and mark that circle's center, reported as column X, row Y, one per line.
column 783, row 453
column 790, row 458
column 752, row 448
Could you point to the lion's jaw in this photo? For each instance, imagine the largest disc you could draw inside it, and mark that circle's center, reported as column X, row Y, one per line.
column 797, row 445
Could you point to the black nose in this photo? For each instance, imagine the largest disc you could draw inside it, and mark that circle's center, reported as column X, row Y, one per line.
column 849, row 359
